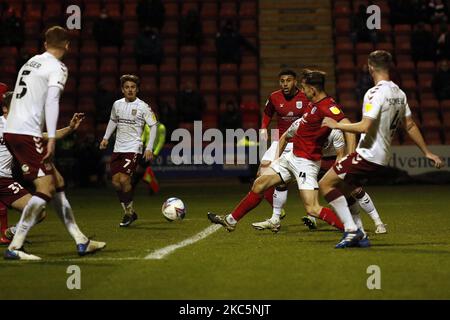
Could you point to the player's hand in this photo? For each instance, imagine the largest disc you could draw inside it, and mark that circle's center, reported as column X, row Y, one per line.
column 103, row 144
column 436, row 159
column 263, row 134
column 76, row 121
column 50, row 150
column 148, row 155
column 329, row 122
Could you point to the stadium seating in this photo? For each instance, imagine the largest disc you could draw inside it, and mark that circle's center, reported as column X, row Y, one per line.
column 415, row 78
column 88, row 64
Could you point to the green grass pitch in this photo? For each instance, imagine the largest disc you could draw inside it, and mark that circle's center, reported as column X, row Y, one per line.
column 414, row 258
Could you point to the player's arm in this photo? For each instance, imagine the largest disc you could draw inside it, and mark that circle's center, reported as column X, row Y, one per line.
column 51, row 118
column 350, row 138
column 73, row 126
column 290, row 132
column 56, row 82
column 415, row 135
column 268, row 113
column 362, row 126
column 112, row 125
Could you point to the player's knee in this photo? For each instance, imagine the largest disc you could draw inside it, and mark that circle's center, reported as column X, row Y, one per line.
column 258, row 185
column 116, row 182
column 125, row 181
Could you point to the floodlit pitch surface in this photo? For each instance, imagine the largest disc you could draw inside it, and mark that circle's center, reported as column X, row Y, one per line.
column 414, row 258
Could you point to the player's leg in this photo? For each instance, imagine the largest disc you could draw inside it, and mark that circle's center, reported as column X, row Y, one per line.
column 347, row 188
column 3, row 224
column 263, row 169
column 366, row 203
column 30, row 215
column 249, row 202
column 329, row 188
column 28, row 152
column 18, row 202
column 65, row 214
column 279, row 200
column 127, row 193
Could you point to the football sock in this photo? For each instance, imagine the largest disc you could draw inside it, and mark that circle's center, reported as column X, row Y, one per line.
column 368, row 206
column 269, row 196
column 339, row 204
column 230, row 219
column 126, row 200
column 279, row 200
column 331, row 218
column 249, row 202
column 65, row 213
column 28, row 218
column 3, row 220
column 354, row 210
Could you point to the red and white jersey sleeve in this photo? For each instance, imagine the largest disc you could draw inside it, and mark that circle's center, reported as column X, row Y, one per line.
column 131, row 118
column 5, row 156
column 26, row 114
column 386, row 105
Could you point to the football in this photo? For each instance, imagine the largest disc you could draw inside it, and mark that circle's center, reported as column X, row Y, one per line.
column 173, row 209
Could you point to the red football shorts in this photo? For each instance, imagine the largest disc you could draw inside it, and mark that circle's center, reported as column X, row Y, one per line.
column 29, row 152
column 124, row 162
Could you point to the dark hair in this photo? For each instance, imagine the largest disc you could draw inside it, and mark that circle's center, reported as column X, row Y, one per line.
column 380, row 60
column 304, row 73
column 129, row 77
column 315, row 78
column 7, row 97
column 287, row 72
column 57, row 37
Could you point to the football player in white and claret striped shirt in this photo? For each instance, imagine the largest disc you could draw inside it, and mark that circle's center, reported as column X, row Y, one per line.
column 129, row 116
column 35, row 103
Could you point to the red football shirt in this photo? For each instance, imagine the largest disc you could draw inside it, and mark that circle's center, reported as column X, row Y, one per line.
column 310, row 135
column 287, row 110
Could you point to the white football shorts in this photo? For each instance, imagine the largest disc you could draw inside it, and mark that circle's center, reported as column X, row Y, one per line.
column 271, row 153
column 305, row 171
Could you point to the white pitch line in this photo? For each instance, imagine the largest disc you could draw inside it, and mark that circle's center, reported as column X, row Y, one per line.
column 161, row 253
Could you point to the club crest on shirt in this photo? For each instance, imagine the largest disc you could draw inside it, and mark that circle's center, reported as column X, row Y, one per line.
column 133, row 112
column 313, row 110
column 299, row 104
column 335, row 110
column 25, row 168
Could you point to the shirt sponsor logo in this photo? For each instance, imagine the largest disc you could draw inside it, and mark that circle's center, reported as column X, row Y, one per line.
column 299, row 104
column 335, row 110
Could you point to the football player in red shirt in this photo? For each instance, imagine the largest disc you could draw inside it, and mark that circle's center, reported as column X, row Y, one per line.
column 302, row 163
column 288, row 104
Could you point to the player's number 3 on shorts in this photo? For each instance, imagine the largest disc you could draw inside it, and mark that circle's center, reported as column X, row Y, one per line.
column 15, row 187
column 23, row 84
